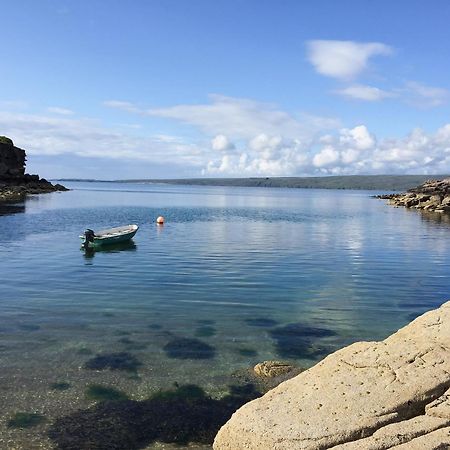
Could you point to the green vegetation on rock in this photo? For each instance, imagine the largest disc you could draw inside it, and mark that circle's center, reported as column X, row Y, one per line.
column 104, row 393
column 25, row 420
column 6, row 140
column 60, row 386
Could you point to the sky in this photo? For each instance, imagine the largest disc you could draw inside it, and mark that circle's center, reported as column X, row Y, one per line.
column 226, row 88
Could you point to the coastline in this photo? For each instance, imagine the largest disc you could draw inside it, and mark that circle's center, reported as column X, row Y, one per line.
column 355, row 182
column 15, row 184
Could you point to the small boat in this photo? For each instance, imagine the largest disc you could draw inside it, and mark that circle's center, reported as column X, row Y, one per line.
column 92, row 239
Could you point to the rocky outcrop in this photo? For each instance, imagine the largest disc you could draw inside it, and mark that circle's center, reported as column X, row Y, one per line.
column 433, row 195
column 12, row 160
column 15, row 184
column 369, row 395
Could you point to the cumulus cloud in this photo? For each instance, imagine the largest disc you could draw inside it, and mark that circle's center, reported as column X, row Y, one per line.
column 362, row 92
column 327, row 157
column 348, row 151
column 276, row 143
column 418, row 152
column 221, row 143
column 261, row 155
column 343, row 59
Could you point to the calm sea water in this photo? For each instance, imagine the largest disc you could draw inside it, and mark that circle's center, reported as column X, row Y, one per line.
column 234, row 277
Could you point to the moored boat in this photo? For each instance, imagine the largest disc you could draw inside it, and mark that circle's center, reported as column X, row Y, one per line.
column 92, row 239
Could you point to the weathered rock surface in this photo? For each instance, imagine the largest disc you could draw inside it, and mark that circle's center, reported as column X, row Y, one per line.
column 433, row 195
column 15, row 184
column 369, row 395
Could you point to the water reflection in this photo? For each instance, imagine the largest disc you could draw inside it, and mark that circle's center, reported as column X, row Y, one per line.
column 7, row 209
column 89, row 253
column 435, row 217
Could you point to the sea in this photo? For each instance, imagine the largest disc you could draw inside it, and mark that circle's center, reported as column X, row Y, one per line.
column 151, row 344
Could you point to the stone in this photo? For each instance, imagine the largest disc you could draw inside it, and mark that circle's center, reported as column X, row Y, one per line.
column 433, row 195
column 272, row 369
column 369, row 395
column 15, row 184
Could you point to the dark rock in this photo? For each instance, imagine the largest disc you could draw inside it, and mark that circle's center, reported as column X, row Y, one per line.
column 114, row 361
column 186, row 348
column 300, row 340
column 104, row 393
column 181, row 416
column 25, row 420
column 15, row 184
column 205, row 331
column 263, row 322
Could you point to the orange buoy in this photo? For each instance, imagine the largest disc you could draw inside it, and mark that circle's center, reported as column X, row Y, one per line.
column 160, row 220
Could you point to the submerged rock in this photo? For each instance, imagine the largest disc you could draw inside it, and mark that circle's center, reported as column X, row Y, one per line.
column 25, row 420
column 273, row 369
column 300, row 340
column 114, row 361
column 187, row 348
column 179, row 416
column 369, row 395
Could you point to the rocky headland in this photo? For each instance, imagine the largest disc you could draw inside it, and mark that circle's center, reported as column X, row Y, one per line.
column 369, row 395
column 15, row 184
column 433, row 195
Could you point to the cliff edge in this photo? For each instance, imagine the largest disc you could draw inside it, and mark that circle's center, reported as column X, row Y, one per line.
column 369, row 395
column 15, row 184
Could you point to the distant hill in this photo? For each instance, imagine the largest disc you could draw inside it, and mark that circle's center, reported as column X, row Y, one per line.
column 364, row 182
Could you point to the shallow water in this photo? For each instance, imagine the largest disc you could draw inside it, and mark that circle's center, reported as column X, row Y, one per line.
column 234, row 277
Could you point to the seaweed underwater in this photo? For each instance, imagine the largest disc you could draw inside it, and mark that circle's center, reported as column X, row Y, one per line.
column 183, row 415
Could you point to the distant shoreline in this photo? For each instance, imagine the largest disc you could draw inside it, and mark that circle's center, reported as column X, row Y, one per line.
column 358, row 182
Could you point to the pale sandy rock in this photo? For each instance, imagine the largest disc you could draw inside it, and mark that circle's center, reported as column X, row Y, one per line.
column 352, row 393
column 437, row 440
column 440, row 407
column 272, row 368
column 396, row 434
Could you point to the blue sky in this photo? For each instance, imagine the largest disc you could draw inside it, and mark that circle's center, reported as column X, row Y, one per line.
column 167, row 88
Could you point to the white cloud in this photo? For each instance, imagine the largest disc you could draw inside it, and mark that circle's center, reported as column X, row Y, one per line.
column 282, row 149
column 237, row 118
column 46, row 135
column 358, row 137
column 424, row 96
column 221, row 143
column 343, row 59
column 59, row 111
column 362, row 92
column 328, row 156
column 125, row 106
column 14, row 104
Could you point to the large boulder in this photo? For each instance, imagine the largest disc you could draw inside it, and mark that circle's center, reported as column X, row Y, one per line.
column 369, row 395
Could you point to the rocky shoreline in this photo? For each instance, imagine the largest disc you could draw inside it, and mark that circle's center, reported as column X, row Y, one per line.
column 369, row 395
column 433, row 195
column 15, row 184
